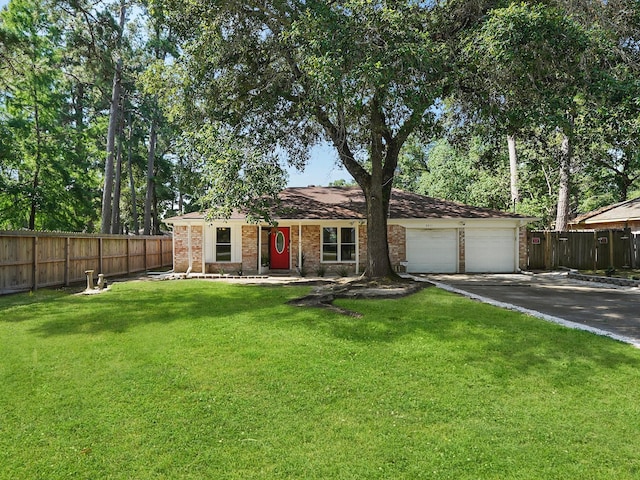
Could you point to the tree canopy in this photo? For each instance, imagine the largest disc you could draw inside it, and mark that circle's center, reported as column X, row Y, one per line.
column 111, row 121
column 361, row 75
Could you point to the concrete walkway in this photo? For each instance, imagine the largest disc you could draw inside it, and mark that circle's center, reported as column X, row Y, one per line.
column 608, row 310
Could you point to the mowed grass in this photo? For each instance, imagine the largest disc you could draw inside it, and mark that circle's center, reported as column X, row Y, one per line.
column 204, row 380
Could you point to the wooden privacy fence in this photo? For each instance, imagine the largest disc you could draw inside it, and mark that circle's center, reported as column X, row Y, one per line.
column 583, row 250
column 29, row 260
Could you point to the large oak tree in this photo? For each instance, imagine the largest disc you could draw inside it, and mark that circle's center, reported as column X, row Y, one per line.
column 360, row 74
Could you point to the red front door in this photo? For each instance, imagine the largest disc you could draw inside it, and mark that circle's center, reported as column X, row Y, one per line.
column 279, row 248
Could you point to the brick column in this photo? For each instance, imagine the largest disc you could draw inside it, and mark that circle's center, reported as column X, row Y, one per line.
column 197, row 244
column 522, row 248
column 250, row 249
column 461, row 251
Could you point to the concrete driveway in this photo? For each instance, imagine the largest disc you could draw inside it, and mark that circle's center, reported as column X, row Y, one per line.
column 604, row 309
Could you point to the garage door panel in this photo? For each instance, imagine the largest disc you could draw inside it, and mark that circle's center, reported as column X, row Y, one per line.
column 490, row 250
column 432, row 251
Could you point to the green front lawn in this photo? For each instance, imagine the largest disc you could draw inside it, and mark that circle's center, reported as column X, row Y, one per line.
column 199, row 380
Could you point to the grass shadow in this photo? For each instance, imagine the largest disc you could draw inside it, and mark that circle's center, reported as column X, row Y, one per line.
column 139, row 303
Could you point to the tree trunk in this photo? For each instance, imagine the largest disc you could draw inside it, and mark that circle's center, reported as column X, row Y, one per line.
column 180, row 185
column 376, row 185
column 34, row 198
column 513, row 171
column 378, row 263
column 115, row 213
column 35, row 185
column 155, row 225
column 562, row 213
column 148, row 202
column 132, row 184
column 114, row 110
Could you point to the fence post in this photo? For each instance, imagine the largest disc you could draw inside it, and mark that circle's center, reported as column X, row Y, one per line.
column 145, row 254
column 128, row 256
column 611, row 248
column 67, row 242
column 632, row 249
column 547, row 251
column 595, row 250
column 100, row 255
column 35, row 262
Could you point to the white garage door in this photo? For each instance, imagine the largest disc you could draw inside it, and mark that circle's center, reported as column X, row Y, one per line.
column 490, row 250
column 432, row 251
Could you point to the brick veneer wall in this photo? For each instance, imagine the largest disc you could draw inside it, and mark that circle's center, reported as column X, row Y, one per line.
column 522, row 248
column 362, row 246
column 462, row 265
column 231, row 268
column 311, row 244
column 249, row 249
column 397, row 238
column 197, row 244
column 310, row 248
column 181, row 248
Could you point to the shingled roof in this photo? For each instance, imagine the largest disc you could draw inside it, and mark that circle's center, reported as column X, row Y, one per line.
column 349, row 202
column 337, row 203
column 618, row 212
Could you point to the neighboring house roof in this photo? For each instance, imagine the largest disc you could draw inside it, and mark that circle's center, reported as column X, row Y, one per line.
column 311, row 203
column 628, row 210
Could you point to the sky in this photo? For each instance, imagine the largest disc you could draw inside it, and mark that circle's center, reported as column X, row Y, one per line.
column 322, row 169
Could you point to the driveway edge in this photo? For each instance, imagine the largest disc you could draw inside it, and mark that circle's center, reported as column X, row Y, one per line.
column 534, row 313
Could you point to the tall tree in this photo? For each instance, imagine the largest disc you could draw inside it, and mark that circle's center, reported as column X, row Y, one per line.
column 361, row 74
column 115, row 112
column 39, row 177
column 526, row 67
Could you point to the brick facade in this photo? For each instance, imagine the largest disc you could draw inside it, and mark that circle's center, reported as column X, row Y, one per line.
column 311, row 250
column 181, row 248
column 461, row 251
column 522, row 248
column 249, row 249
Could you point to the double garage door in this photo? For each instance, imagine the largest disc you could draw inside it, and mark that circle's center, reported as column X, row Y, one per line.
column 486, row 250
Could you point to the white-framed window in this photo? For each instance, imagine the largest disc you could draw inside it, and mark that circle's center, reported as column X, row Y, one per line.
column 223, row 244
column 339, row 244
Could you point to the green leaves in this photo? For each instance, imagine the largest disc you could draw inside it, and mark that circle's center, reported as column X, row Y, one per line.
column 236, row 176
column 527, row 61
